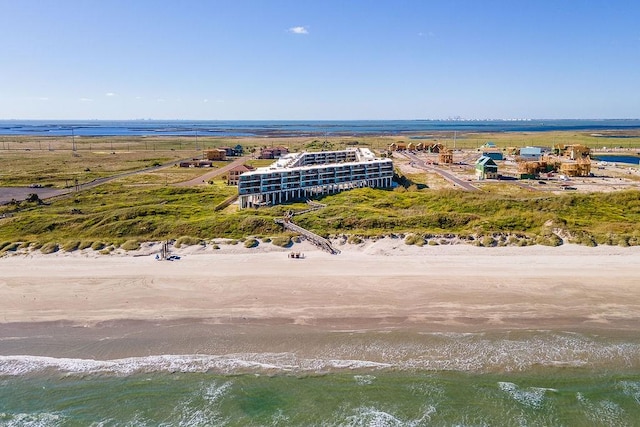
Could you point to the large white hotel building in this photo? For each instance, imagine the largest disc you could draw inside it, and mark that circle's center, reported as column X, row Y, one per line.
column 301, row 175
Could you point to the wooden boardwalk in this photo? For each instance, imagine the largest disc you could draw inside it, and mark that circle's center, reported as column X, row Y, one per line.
column 317, row 240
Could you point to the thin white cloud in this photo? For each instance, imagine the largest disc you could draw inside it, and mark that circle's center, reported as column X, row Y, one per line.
column 43, row 98
column 86, row 100
column 205, row 100
column 110, row 94
column 298, row 30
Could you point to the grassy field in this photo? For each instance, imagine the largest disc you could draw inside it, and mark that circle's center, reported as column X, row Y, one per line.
column 148, row 207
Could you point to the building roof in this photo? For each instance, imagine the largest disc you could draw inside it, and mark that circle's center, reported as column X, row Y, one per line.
column 290, row 160
column 241, row 168
column 485, row 161
column 531, row 150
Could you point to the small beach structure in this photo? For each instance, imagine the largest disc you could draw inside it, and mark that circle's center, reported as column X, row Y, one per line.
column 196, row 163
column 486, row 168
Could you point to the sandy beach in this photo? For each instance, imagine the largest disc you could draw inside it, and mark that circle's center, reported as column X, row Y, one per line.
column 374, row 285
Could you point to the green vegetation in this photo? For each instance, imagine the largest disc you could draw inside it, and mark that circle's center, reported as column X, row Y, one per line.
column 282, row 241
column 414, row 239
column 117, row 213
column 251, row 243
column 49, row 248
column 187, row 241
column 131, row 245
column 146, row 207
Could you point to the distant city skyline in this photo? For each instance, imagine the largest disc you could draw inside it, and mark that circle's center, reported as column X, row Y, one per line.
column 299, row 60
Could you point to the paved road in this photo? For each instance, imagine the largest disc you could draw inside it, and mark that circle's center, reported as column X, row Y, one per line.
column 421, row 164
column 202, row 179
column 20, row 193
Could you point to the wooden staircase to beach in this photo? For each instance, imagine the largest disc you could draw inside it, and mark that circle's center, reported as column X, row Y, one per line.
column 317, row 240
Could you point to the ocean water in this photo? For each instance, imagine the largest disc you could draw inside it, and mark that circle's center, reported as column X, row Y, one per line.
column 509, row 378
column 284, row 128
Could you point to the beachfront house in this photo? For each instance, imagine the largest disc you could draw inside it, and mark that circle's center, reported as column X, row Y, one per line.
column 533, row 153
column 273, row 152
column 216, row 154
column 495, row 154
column 234, row 174
column 486, row 168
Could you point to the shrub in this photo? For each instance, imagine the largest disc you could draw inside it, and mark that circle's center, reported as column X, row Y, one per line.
column 215, row 246
column 354, row 240
column 49, row 248
column 11, row 247
column 414, row 239
column 266, row 240
column 282, row 241
column 96, row 246
column 130, row 245
column 187, row 241
column 71, row 246
column 549, row 240
column 251, row 243
column 85, row 244
column 488, row 242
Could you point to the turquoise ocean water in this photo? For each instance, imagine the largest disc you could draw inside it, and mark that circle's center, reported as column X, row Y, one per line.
column 522, row 378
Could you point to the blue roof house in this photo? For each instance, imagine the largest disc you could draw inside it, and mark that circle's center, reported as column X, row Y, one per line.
column 531, row 153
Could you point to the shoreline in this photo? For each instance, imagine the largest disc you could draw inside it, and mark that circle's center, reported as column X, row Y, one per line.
column 377, row 305
column 383, row 283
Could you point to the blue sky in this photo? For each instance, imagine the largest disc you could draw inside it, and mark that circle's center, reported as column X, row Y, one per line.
column 312, row 59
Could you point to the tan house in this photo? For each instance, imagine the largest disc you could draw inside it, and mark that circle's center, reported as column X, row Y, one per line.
column 233, row 175
column 216, row 154
column 273, row 152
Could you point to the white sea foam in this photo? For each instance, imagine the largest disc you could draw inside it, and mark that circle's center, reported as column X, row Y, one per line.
column 443, row 352
column 603, row 412
column 43, row 419
column 191, row 412
column 533, row 397
column 373, row 417
column 632, row 389
column 364, row 379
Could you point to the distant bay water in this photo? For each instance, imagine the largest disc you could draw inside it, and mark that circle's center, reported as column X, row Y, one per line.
column 284, row 128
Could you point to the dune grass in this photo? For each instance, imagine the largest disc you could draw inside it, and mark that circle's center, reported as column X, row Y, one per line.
column 146, row 207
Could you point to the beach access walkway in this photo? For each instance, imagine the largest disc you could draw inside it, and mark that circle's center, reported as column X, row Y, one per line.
column 317, row 240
